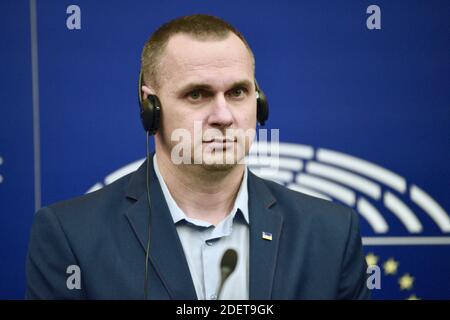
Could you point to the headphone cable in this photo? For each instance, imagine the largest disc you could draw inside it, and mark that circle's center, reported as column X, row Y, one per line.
column 147, row 251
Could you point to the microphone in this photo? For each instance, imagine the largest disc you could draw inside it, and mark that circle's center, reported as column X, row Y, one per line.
column 227, row 266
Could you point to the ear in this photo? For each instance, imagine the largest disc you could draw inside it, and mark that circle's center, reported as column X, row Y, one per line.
column 146, row 91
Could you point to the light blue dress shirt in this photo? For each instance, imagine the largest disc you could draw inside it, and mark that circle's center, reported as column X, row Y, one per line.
column 204, row 245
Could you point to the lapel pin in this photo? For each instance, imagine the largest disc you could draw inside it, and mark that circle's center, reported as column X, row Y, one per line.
column 267, row 236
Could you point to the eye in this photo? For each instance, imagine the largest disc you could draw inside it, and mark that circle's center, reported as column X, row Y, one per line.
column 194, row 95
column 238, row 92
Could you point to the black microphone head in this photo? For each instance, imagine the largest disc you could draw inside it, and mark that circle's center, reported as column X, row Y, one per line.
column 227, row 266
column 229, row 262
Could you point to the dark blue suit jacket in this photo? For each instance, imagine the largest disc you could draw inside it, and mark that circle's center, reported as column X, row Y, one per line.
column 315, row 253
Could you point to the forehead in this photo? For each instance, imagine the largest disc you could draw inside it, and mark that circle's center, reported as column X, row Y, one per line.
column 217, row 62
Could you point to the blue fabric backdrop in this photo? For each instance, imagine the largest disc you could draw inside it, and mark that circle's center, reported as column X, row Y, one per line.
column 378, row 96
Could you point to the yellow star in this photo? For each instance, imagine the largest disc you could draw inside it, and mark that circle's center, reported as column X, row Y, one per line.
column 371, row 259
column 390, row 266
column 413, row 297
column 406, row 282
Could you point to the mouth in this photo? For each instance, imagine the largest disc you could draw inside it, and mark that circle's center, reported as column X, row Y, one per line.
column 220, row 140
column 219, row 143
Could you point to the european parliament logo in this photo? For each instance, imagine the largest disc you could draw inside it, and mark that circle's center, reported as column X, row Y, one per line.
column 402, row 225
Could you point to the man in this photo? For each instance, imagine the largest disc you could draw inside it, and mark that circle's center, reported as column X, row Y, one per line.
column 289, row 245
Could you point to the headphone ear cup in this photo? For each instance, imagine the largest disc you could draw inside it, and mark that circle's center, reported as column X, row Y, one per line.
column 262, row 108
column 150, row 108
column 151, row 113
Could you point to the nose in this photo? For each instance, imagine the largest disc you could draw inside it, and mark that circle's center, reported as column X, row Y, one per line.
column 221, row 115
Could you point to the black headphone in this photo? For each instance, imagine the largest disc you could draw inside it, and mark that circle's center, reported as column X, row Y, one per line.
column 150, row 108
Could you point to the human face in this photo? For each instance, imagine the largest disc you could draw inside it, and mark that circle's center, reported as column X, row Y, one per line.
column 207, row 85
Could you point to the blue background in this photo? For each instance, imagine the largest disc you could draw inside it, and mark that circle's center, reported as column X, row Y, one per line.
column 380, row 95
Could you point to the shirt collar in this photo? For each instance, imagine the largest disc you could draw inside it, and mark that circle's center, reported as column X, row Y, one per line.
column 240, row 203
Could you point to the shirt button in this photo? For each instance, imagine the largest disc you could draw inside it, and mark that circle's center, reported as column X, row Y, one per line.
column 213, row 297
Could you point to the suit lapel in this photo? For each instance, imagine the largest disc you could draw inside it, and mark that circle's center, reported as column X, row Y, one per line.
column 166, row 252
column 263, row 253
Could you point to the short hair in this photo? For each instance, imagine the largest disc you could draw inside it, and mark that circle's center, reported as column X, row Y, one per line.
column 200, row 26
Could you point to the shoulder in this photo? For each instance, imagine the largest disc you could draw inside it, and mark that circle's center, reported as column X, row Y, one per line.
column 299, row 208
column 90, row 206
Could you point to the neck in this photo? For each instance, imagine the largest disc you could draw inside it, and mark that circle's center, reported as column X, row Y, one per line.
column 201, row 193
